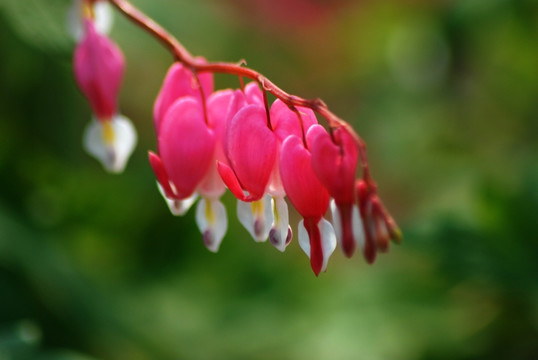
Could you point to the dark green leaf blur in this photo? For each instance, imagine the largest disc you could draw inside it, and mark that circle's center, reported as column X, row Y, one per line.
column 444, row 92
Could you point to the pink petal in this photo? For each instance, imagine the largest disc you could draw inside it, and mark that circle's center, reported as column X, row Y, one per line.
column 335, row 163
column 98, row 66
column 238, row 102
column 179, row 82
column 186, row 145
column 251, row 149
column 217, row 110
column 160, row 173
column 382, row 236
column 365, row 209
column 302, row 186
column 253, row 94
column 286, row 122
column 231, row 181
column 212, row 185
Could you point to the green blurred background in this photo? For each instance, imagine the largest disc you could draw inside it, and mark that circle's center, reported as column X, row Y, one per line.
column 93, row 266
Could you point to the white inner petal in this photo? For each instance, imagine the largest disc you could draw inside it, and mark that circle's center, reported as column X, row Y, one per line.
column 328, row 241
column 337, row 222
column 256, row 217
column 279, row 228
column 358, row 228
column 212, row 221
column 356, row 224
column 112, row 155
column 178, row 207
column 304, row 240
column 103, row 19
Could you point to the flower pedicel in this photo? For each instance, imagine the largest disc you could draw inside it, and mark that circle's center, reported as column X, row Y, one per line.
column 210, row 140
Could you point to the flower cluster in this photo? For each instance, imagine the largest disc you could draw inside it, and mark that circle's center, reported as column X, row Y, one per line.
column 211, row 140
column 98, row 67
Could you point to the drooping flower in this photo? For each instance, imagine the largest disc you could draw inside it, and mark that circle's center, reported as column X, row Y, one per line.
column 311, row 199
column 250, row 148
column 98, row 67
column 178, row 82
column 190, row 143
column 334, row 159
column 379, row 227
column 252, row 145
column 371, row 228
column 284, row 122
column 99, row 11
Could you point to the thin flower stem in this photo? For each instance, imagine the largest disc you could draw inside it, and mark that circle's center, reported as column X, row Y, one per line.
column 202, row 94
column 182, row 55
column 301, row 123
column 267, row 114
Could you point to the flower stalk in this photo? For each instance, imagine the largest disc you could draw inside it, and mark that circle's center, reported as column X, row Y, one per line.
column 182, row 55
column 212, row 140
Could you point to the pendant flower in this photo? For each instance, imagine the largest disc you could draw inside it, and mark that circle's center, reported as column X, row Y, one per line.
column 189, row 143
column 253, row 146
column 250, row 148
column 98, row 68
column 208, row 141
column 334, row 160
column 379, row 227
column 284, row 123
column 311, row 199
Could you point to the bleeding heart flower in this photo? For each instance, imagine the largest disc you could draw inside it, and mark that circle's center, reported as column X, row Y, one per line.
column 334, row 160
column 252, row 174
column 250, row 147
column 186, row 147
column 254, row 207
column 190, row 144
column 284, row 122
column 371, row 227
column 311, row 199
column 98, row 67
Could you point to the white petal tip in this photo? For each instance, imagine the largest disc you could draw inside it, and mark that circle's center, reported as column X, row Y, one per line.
column 103, row 20
column 178, row 207
column 256, row 217
column 210, row 242
column 277, row 240
column 212, row 221
column 114, row 152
